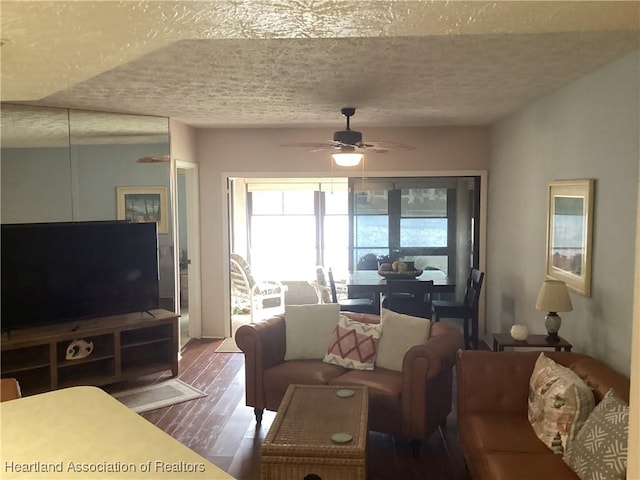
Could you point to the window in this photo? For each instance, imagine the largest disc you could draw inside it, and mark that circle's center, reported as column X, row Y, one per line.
column 371, row 228
column 288, row 226
column 416, row 219
column 294, row 225
column 282, row 233
column 424, row 226
column 334, row 223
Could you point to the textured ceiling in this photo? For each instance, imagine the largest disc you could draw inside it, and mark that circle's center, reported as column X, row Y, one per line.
column 296, row 63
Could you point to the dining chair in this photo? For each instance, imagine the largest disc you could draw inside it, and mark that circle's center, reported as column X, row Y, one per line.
column 322, row 288
column 358, row 305
column 467, row 309
column 409, row 296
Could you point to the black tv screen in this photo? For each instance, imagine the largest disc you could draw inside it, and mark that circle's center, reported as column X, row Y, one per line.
column 60, row 272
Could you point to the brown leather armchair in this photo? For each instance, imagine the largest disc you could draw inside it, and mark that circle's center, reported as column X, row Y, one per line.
column 411, row 403
column 9, row 389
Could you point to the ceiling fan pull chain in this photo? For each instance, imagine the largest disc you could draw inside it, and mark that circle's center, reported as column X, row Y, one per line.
column 331, row 162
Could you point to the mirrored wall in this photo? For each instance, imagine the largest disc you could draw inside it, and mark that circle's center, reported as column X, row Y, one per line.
column 62, row 165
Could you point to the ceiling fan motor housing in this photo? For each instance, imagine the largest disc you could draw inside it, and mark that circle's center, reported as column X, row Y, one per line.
column 349, row 137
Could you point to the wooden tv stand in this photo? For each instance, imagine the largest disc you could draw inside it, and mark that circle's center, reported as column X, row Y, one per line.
column 125, row 347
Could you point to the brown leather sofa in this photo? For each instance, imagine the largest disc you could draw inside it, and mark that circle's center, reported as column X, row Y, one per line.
column 411, row 403
column 493, row 429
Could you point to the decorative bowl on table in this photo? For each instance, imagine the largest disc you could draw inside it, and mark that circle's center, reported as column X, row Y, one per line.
column 391, row 274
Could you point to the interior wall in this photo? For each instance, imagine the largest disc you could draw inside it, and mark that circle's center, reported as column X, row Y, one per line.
column 588, row 129
column 99, row 169
column 36, row 185
column 183, row 141
column 247, row 152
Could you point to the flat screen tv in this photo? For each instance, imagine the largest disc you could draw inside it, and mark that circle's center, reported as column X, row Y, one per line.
column 61, row 272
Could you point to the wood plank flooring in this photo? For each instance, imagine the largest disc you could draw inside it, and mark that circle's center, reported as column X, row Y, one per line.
column 222, row 429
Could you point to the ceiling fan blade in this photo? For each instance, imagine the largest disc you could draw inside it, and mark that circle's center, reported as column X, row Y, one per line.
column 154, row 159
column 348, row 141
column 316, row 145
column 384, row 146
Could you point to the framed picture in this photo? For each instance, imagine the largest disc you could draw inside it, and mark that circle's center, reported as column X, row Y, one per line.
column 570, row 232
column 144, row 204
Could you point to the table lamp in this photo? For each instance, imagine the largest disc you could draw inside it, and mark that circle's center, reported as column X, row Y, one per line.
column 553, row 298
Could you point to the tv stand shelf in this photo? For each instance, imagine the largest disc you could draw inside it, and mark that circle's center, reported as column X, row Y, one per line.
column 124, row 347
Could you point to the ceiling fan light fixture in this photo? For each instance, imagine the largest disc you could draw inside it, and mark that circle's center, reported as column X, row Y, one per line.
column 347, row 159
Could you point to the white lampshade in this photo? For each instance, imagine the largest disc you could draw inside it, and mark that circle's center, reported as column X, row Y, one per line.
column 347, row 159
column 554, row 297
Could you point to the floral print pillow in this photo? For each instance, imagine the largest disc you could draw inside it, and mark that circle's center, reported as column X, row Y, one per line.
column 559, row 403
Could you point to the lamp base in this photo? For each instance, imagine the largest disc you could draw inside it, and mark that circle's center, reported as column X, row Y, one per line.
column 552, row 338
column 552, row 321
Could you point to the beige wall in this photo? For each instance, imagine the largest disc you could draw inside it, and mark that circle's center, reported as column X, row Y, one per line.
column 247, row 152
column 587, row 130
column 633, row 466
column 183, row 142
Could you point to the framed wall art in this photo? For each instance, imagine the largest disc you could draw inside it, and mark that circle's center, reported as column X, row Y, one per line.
column 570, row 233
column 144, row 204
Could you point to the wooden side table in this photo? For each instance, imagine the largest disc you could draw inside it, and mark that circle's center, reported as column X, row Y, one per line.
column 501, row 340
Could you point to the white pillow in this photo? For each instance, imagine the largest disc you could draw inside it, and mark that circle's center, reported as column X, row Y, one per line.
column 309, row 329
column 400, row 332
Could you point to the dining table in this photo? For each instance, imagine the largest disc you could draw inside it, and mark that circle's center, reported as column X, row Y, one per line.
column 370, row 282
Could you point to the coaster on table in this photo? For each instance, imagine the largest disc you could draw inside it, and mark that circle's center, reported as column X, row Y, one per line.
column 341, row 438
column 345, row 393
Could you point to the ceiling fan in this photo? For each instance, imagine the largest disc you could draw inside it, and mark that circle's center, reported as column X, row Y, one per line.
column 348, row 144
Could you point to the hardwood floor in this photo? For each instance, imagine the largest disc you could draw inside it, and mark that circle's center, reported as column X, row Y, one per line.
column 221, row 428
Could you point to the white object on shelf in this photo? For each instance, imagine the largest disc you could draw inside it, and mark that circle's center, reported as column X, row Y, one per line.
column 519, row 332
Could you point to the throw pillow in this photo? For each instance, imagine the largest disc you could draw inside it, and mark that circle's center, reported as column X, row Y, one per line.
column 600, row 447
column 308, row 330
column 400, row 332
column 354, row 344
column 559, row 403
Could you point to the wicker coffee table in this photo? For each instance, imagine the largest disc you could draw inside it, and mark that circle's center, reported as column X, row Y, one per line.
column 299, row 442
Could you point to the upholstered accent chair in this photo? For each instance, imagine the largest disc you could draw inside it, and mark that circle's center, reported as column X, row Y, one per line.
column 263, row 298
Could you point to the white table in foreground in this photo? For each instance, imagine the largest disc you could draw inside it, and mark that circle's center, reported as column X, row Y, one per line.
column 84, row 433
